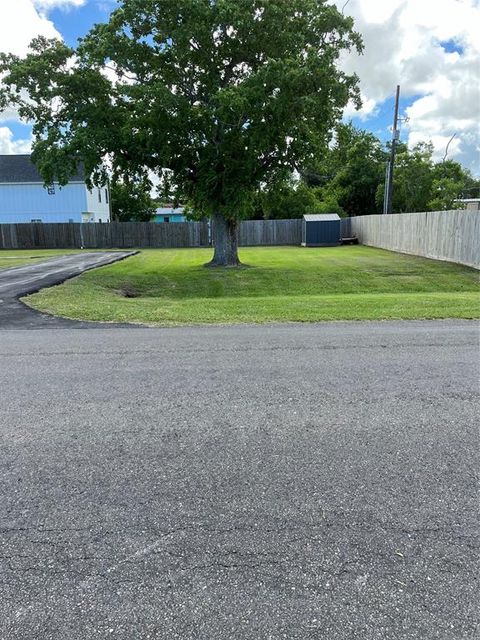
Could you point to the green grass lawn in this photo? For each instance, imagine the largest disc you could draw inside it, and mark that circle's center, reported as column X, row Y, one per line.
column 281, row 284
column 18, row 257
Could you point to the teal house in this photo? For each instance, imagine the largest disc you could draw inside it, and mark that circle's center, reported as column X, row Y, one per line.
column 169, row 214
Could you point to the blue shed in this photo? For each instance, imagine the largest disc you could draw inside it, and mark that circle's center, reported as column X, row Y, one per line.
column 321, row 230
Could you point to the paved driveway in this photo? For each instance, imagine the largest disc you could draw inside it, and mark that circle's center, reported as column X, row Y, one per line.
column 298, row 482
column 21, row 281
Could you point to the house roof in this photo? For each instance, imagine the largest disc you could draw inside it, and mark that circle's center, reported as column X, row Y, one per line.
column 321, row 217
column 161, row 211
column 20, row 169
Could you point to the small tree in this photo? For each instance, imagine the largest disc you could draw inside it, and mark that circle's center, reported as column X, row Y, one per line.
column 131, row 201
column 413, row 178
column 450, row 179
column 220, row 97
column 288, row 200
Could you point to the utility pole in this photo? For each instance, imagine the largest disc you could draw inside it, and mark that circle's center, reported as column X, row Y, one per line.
column 388, row 196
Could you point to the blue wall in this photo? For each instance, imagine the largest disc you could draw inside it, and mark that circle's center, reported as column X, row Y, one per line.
column 27, row 202
column 322, row 232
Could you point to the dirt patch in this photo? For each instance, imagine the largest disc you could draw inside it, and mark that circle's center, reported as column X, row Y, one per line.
column 129, row 291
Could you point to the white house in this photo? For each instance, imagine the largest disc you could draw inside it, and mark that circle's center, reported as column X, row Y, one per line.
column 23, row 197
column 471, row 204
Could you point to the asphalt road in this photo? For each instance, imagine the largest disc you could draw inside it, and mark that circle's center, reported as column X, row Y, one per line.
column 21, row 281
column 254, row 483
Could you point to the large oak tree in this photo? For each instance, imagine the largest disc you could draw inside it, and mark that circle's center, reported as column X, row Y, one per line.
column 219, row 97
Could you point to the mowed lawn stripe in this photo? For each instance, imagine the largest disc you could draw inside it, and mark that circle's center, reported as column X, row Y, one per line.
column 278, row 284
column 10, row 258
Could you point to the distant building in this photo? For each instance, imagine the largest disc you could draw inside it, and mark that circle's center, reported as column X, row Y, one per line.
column 471, row 204
column 168, row 213
column 24, row 198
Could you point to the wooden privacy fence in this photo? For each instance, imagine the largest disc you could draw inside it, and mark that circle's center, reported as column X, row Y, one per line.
column 444, row 235
column 125, row 235
column 117, row 235
column 270, row 232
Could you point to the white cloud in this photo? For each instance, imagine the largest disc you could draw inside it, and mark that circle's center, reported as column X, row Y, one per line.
column 403, row 46
column 20, row 22
column 369, row 108
column 45, row 5
column 10, row 146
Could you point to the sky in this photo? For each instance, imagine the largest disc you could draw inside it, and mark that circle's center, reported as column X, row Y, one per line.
column 430, row 47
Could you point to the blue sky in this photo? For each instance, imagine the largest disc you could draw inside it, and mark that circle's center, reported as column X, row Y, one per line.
column 429, row 47
column 73, row 23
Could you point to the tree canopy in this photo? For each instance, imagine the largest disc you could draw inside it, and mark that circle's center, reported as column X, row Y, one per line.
column 349, row 173
column 349, row 178
column 421, row 184
column 131, row 201
column 219, row 97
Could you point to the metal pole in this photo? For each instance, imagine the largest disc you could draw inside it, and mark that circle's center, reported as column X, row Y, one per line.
column 391, row 164
column 385, row 189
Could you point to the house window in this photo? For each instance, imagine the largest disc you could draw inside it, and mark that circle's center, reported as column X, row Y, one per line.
column 35, row 220
column 51, row 189
column 106, row 196
column 166, row 219
column 99, row 194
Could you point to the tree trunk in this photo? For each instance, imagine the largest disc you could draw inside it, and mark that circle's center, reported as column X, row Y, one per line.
column 225, row 240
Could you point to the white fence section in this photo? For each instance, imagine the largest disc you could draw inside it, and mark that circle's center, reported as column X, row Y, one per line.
column 443, row 235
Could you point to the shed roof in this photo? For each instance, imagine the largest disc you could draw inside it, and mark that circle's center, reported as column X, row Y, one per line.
column 20, row 169
column 321, row 217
